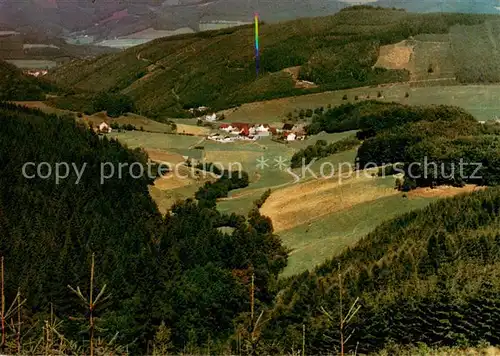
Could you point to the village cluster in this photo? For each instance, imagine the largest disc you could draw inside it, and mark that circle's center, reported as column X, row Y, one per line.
column 247, row 132
column 237, row 131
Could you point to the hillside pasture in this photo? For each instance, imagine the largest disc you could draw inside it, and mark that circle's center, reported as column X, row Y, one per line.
column 166, row 142
column 306, row 202
column 427, row 59
column 192, row 129
column 135, row 120
column 432, row 60
column 395, row 56
column 313, row 243
column 479, row 100
column 40, row 105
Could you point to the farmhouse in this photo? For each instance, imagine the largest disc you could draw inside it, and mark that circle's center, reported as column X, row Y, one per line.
column 226, row 127
column 104, row 128
column 261, row 130
column 236, row 128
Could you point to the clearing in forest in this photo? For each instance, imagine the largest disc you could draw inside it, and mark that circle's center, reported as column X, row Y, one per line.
column 395, row 56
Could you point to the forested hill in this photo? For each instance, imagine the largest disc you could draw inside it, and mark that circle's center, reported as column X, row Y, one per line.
column 394, row 133
column 14, row 85
column 428, row 276
column 217, row 68
column 180, row 270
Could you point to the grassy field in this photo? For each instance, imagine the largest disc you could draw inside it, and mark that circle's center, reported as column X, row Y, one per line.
column 428, row 57
column 40, row 105
column 171, row 143
column 432, row 60
column 165, row 198
column 479, row 100
column 315, row 242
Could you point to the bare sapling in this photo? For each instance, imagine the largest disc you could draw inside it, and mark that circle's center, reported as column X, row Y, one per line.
column 91, row 303
column 344, row 321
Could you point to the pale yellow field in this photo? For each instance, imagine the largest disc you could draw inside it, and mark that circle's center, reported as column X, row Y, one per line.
column 395, row 56
column 191, row 129
column 306, row 202
column 442, row 191
column 164, row 156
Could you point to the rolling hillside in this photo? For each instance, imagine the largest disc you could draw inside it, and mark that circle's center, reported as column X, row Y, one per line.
column 427, row 276
column 217, row 68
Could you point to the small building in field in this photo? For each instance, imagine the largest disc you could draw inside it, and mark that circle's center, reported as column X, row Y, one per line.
column 104, row 128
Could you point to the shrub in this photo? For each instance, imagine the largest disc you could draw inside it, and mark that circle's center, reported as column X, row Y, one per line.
column 129, row 127
column 343, row 98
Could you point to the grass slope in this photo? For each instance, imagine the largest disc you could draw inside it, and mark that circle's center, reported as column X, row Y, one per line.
column 480, row 100
column 316, row 242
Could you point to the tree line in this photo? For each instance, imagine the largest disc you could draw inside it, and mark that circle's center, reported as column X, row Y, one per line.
column 322, row 149
column 435, row 144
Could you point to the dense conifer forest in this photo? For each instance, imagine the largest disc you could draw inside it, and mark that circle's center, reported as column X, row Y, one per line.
column 179, row 270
